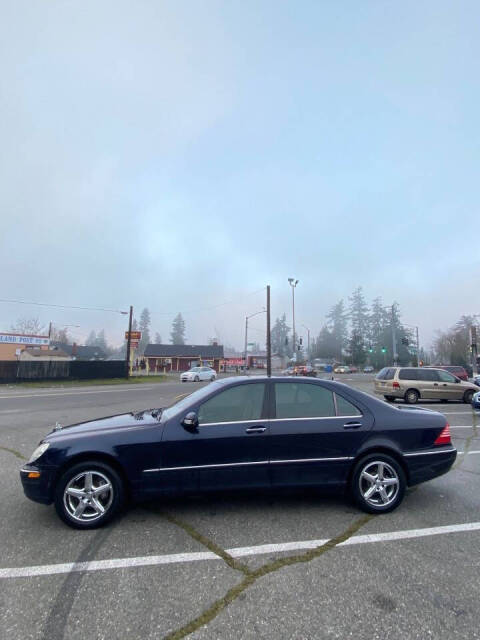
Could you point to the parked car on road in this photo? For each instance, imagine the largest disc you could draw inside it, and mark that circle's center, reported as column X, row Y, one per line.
column 476, row 380
column 304, row 370
column 240, row 433
column 341, row 369
column 413, row 383
column 368, row 369
column 195, row 374
column 353, row 368
column 476, row 401
column 459, row 372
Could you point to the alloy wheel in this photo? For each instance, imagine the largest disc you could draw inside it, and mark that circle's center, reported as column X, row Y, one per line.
column 88, row 496
column 379, row 483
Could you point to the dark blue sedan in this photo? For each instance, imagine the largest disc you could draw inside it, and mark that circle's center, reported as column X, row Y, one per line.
column 241, row 433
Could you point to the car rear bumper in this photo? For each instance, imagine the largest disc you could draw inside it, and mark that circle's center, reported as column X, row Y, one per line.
column 426, row 465
column 38, row 489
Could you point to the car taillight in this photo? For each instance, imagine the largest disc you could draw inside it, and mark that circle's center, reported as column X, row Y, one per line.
column 396, row 385
column 444, row 437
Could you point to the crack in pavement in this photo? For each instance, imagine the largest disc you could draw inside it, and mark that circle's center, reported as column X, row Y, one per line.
column 57, row 620
column 251, row 576
column 13, row 452
column 468, row 442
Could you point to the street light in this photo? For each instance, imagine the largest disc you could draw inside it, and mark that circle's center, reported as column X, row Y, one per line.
column 246, row 332
column 293, row 283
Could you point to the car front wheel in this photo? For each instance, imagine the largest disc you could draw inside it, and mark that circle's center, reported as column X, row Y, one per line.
column 88, row 495
column 378, row 483
column 389, row 398
column 468, row 396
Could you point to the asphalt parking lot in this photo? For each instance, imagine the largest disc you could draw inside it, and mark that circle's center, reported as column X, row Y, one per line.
column 296, row 565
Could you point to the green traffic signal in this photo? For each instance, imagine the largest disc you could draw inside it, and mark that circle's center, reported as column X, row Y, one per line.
column 384, row 350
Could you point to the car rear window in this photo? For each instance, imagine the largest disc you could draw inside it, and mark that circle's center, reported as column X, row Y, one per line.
column 387, row 373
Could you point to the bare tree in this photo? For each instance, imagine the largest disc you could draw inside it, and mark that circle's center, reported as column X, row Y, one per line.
column 29, row 326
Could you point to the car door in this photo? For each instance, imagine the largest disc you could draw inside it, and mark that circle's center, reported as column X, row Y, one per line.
column 429, row 384
column 450, row 387
column 314, row 434
column 228, row 449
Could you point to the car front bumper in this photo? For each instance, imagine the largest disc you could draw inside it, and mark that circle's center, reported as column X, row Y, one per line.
column 38, row 488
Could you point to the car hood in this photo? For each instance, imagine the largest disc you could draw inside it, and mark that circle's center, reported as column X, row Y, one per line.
column 112, row 423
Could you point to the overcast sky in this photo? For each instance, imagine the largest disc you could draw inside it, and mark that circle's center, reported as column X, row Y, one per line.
column 180, row 155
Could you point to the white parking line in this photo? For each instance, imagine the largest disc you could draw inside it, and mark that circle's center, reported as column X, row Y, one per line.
column 237, row 552
column 75, row 393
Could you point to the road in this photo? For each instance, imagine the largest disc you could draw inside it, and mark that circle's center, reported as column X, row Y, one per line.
column 296, row 565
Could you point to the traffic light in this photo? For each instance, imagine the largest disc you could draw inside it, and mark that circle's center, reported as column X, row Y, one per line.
column 301, row 341
column 405, row 341
column 370, row 351
column 384, row 350
column 286, row 341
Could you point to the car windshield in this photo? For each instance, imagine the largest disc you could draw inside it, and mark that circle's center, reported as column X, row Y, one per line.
column 186, row 400
column 195, row 369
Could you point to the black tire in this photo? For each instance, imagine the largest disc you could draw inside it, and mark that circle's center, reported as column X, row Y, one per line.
column 112, row 505
column 212, row 378
column 468, row 396
column 389, row 398
column 411, row 396
column 197, row 379
column 359, row 486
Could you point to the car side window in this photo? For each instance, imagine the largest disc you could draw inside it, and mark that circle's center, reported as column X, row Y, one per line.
column 300, row 400
column 408, row 374
column 428, row 375
column 346, row 408
column 445, row 376
column 236, row 404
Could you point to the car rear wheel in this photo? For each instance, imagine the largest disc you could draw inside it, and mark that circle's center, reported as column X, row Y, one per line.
column 197, row 379
column 212, row 378
column 378, row 483
column 468, row 396
column 389, row 398
column 88, row 495
column 411, row 396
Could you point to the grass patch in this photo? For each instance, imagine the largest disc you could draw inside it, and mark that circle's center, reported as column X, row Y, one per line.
column 43, row 384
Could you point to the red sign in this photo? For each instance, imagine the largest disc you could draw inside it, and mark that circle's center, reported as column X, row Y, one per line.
column 133, row 344
column 134, row 335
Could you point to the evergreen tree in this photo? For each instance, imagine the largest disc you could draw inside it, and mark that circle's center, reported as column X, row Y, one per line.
column 92, row 339
column 324, row 346
column 144, row 327
column 101, row 341
column 337, row 321
column 279, row 337
column 356, row 348
column 158, row 338
column 177, row 334
column 358, row 314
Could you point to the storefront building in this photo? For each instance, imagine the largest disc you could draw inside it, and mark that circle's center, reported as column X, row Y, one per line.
column 163, row 358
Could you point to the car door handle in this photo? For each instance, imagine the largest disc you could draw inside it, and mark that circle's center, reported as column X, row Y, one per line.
column 435, row 384
column 352, row 425
column 255, row 429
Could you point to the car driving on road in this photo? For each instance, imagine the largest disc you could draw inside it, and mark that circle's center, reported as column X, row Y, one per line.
column 196, row 374
column 414, row 383
column 241, row 433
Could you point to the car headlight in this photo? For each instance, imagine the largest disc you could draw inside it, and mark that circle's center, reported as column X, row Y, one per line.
column 39, row 451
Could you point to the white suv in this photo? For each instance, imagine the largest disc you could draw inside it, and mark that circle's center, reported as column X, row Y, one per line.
column 198, row 373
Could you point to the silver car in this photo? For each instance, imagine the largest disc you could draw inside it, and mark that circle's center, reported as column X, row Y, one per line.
column 195, row 374
column 414, row 383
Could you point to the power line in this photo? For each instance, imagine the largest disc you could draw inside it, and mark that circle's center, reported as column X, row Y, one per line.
column 62, row 306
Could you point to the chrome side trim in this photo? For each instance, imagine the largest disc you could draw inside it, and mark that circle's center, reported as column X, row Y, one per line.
column 316, row 418
column 429, row 453
column 267, row 420
column 245, row 464
column 207, row 466
column 312, row 460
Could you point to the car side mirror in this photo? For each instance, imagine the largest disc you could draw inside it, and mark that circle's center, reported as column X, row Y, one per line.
column 457, row 380
column 190, row 422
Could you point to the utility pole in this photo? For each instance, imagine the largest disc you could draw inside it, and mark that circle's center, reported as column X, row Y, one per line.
column 293, row 284
column 269, row 343
column 394, row 340
column 308, row 340
column 127, row 357
column 246, row 345
column 418, row 349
